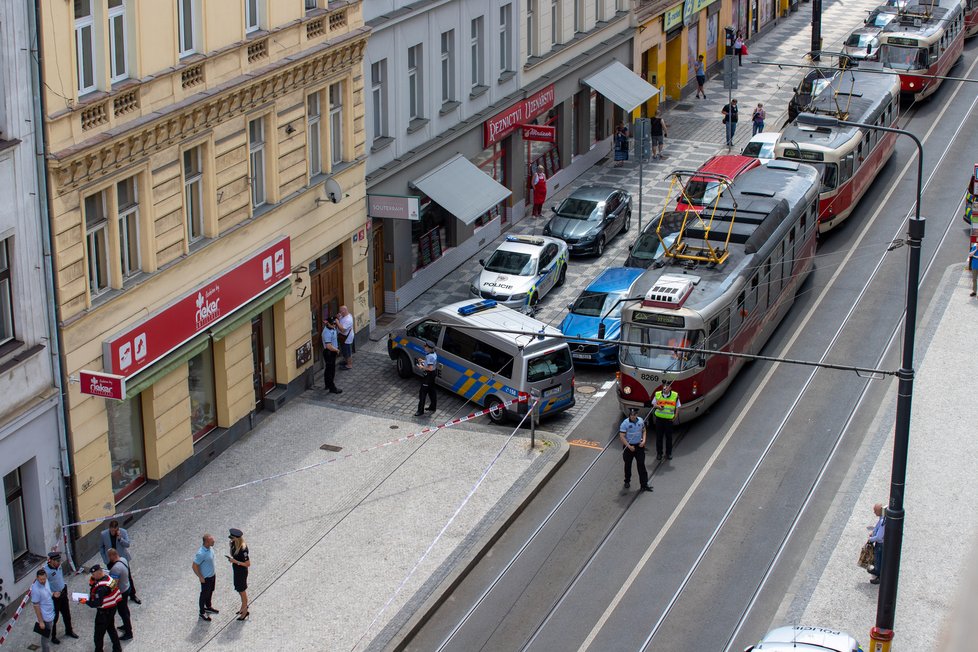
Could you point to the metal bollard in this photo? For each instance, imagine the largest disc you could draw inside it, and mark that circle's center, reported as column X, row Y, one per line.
column 534, row 416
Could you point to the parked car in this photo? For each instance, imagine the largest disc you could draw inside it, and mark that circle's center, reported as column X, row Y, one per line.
column 647, row 249
column 590, row 217
column 881, row 16
column 600, row 301
column 702, row 190
column 806, row 639
column 521, row 271
column 862, row 44
column 761, row 146
column 815, row 81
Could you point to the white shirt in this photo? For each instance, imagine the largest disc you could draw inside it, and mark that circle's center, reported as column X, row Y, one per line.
column 346, row 324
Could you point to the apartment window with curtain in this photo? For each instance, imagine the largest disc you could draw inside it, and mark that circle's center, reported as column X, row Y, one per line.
column 187, row 20
column 448, row 66
column 193, row 193
column 415, row 83
column 6, row 294
column 85, row 45
column 13, row 492
column 477, row 47
column 252, row 21
column 554, row 23
column 256, row 156
column 128, row 204
column 97, row 243
column 314, row 133
column 531, row 27
column 336, row 123
column 506, row 38
column 118, row 67
column 378, row 95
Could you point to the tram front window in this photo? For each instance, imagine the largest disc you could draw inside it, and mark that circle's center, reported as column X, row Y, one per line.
column 903, row 58
column 647, row 357
column 829, row 173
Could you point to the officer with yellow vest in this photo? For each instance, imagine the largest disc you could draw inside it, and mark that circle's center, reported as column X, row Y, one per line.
column 666, row 404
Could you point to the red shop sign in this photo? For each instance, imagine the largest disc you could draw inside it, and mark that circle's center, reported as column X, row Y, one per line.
column 543, row 133
column 104, row 385
column 143, row 344
column 502, row 124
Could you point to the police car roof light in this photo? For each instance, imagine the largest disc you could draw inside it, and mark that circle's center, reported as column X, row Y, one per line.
column 478, row 306
column 525, row 239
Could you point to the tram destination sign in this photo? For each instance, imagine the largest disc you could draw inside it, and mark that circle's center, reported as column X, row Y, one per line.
column 658, row 319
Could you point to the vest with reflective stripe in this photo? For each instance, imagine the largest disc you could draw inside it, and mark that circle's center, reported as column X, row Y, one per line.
column 665, row 406
column 105, row 594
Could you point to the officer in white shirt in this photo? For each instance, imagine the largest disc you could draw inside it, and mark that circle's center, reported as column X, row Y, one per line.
column 632, row 435
column 429, row 363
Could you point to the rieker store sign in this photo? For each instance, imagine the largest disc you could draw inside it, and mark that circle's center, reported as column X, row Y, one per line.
column 140, row 346
column 97, row 383
column 502, row 124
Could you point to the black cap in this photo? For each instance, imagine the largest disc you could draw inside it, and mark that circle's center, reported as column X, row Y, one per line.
column 54, row 554
column 94, row 568
column 428, row 344
column 633, row 410
column 235, row 532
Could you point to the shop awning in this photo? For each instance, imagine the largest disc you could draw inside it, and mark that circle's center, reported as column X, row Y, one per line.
column 462, row 189
column 622, row 86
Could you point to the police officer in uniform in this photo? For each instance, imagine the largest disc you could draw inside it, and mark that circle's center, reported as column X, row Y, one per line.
column 429, row 363
column 330, row 349
column 104, row 597
column 59, row 591
column 632, row 435
column 666, row 404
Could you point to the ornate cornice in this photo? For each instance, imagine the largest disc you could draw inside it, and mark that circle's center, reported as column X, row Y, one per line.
column 84, row 162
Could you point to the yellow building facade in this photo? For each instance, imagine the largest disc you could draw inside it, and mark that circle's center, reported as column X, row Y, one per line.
column 205, row 168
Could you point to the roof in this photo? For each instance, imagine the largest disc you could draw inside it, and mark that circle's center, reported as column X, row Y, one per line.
column 615, row 278
column 501, row 317
column 807, row 638
column 527, row 244
column 906, row 21
column 729, row 165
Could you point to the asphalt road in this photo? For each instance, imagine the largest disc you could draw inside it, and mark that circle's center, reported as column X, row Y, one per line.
column 702, row 563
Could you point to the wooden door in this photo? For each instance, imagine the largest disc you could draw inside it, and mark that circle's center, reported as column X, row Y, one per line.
column 378, row 268
column 256, row 358
column 327, row 295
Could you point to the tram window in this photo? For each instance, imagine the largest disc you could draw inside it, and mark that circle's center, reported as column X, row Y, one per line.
column 934, row 53
column 719, row 330
column 766, row 290
column 804, row 219
column 738, row 317
column 860, row 150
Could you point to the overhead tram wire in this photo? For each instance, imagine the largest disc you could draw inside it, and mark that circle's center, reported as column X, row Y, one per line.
column 873, row 71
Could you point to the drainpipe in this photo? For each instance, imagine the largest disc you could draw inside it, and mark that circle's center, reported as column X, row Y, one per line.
column 58, row 373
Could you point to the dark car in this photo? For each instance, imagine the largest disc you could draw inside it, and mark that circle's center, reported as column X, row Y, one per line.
column 590, row 217
column 648, row 249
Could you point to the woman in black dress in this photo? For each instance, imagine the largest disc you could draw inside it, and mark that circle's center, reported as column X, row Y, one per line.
column 240, row 563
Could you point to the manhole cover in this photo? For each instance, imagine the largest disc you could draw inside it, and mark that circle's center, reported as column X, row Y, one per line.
column 683, row 107
column 586, row 389
column 395, row 427
column 331, row 448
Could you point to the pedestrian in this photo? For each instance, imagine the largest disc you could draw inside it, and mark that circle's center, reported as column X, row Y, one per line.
column 59, row 591
column 203, row 567
column 621, row 146
column 973, row 266
column 428, row 364
column 118, row 538
column 729, row 112
column 876, row 538
column 43, row 603
column 104, row 597
column 632, row 434
column 346, row 336
column 240, row 563
column 538, row 184
column 119, row 571
column 658, row 130
column 666, row 405
column 330, row 350
column 700, row 67
column 794, row 106
column 739, row 48
column 757, row 119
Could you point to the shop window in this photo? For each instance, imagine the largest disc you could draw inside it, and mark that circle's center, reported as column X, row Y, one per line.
column 16, row 514
column 126, row 448
column 6, row 294
column 203, row 404
column 431, row 235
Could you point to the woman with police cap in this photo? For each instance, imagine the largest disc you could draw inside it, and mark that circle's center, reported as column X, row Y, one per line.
column 240, row 563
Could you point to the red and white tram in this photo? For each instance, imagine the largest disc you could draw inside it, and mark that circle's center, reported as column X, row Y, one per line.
column 924, row 39
column 849, row 158
column 724, row 281
column 970, row 18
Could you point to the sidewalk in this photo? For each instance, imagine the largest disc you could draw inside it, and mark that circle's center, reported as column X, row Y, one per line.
column 938, row 571
column 329, row 546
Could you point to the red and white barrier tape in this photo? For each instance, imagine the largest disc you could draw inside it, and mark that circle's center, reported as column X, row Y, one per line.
column 209, row 494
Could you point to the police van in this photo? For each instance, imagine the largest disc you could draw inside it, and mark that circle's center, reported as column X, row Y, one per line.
column 800, row 638
column 486, row 366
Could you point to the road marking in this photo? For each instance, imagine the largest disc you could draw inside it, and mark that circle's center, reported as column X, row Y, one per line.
column 585, row 443
column 608, row 385
column 599, row 625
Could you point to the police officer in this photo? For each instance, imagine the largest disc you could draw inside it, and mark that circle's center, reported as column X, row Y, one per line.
column 59, row 591
column 632, row 435
column 330, row 349
column 429, row 364
column 666, row 404
column 104, row 597
column 794, row 106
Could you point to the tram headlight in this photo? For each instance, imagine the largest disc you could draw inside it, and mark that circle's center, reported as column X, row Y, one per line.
column 626, row 390
column 910, row 84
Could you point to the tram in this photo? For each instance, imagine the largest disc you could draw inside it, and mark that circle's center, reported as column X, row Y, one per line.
column 849, row 158
column 924, row 39
column 970, row 18
column 724, row 281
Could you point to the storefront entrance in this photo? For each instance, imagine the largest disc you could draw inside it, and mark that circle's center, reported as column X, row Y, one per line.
column 263, row 355
column 650, row 72
column 674, row 66
column 326, row 275
column 377, row 270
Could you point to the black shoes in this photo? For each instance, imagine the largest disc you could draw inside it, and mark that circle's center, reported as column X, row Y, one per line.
column 336, row 390
column 211, row 610
column 647, row 487
column 55, row 640
column 204, row 616
column 244, row 616
column 419, row 413
column 431, row 408
column 126, row 637
column 658, row 457
column 669, row 457
column 626, row 485
column 875, row 579
column 71, row 634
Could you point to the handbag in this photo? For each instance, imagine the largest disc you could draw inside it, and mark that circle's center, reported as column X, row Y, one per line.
column 743, row 49
column 866, row 556
column 46, row 632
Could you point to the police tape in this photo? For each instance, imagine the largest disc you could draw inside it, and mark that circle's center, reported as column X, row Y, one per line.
column 210, row 494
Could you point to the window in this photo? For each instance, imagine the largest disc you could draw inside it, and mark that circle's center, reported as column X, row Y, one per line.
column 472, row 350
column 579, row 16
column 128, row 227
column 188, row 28
column 193, row 193
column 256, row 155
column 477, row 47
column 314, row 134
column 85, row 45
column 97, row 243
column 117, row 40
column 415, row 83
column 203, row 405
column 531, row 26
column 14, row 493
column 336, row 123
column 6, row 294
column 251, row 16
column 126, row 450
column 505, row 38
column 426, row 330
column 448, row 66
column 378, row 94
column 310, row 4
column 554, row 23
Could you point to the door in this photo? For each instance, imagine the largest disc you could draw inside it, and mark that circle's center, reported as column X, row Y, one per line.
column 650, row 72
column 692, row 50
column 263, row 355
column 378, row 268
column 256, row 358
column 327, row 287
column 712, row 29
column 674, row 62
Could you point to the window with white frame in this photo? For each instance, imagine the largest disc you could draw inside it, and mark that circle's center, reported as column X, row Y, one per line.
column 554, row 22
column 477, row 52
column 531, row 26
column 85, row 45
column 97, row 242
column 314, row 133
column 118, row 67
column 187, row 19
column 448, row 66
column 378, row 96
column 256, row 156
column 311, row 4
column 506, row 38
column 598, row 9
column 6, row 293
column 128, row 203
column 193, row 192
column 578, row 15
column 251, row 16
column 336, row 123
column 415, row 82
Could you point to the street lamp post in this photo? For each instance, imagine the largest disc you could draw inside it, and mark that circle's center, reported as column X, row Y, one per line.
column 882, row 633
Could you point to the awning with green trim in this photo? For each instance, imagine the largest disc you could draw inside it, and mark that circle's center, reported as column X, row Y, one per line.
column 158, row 370
column 245, row 313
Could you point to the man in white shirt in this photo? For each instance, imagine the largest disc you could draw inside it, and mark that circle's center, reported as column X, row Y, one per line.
column 345, row 330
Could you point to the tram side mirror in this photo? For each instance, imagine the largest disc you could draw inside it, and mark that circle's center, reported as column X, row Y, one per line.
column 601, row 331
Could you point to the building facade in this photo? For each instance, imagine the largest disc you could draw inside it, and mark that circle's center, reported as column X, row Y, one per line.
column 206, row 166
column 31, row 436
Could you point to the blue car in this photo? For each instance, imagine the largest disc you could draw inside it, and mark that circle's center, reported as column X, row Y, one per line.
column 586, row 312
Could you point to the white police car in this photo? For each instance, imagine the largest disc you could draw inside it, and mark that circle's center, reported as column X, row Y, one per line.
column 522, row 270
column 801, row 639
